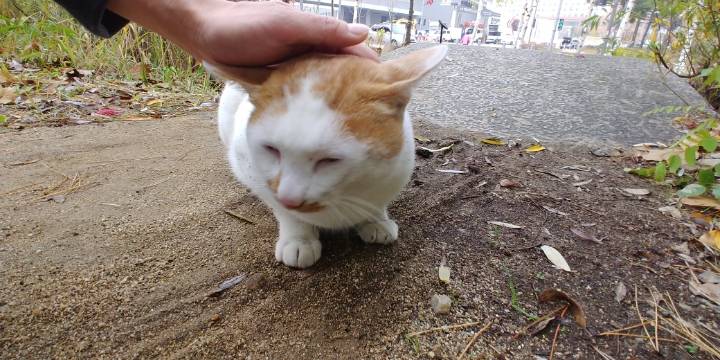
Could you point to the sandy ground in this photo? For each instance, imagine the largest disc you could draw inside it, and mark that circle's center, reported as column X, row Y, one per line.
column 121, row 261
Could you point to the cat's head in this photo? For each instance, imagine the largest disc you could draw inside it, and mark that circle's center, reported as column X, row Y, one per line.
column 324, row 125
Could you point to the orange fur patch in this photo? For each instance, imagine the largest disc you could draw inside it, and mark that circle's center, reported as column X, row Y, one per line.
column 274, row 183
column 371, row 97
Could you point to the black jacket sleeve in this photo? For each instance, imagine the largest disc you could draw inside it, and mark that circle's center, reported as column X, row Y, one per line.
column 94, row 16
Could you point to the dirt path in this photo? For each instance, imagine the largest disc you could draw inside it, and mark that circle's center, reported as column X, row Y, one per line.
column 120, row 262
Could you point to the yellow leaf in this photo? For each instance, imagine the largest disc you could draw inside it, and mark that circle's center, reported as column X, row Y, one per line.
column 658, row 154
column 711, row 238
column 154, row 102
column 422, row 139
column 6, row 77
column 535, row 148
column 701, row 201
column 493, row 141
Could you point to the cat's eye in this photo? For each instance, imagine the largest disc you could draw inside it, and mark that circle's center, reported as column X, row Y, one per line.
column 326, row 161
column 273, row 150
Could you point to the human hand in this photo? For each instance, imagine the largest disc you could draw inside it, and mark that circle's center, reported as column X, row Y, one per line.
column 245, row 33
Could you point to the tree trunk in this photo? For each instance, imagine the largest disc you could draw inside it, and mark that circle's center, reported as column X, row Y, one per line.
column 611, row 24
column 332, row 8
column 647, row 29
column 637, row 27
column 408, row 26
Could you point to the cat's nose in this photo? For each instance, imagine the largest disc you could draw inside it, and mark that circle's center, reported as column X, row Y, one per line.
column 291, row 203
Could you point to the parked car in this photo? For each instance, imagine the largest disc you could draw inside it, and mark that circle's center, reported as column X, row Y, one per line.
column 569, row 43
column 397, row 30
column 493, row 37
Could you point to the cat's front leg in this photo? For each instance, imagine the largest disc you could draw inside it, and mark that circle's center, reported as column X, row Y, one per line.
column 380, row 231
column 298, row 244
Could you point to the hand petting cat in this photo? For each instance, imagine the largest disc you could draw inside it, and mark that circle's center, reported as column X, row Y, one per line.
column 245, row 33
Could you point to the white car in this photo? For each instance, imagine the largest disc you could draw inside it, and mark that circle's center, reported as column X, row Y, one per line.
column 397, row 38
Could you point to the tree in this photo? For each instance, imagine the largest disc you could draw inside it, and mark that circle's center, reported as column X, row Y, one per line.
column 638, row 13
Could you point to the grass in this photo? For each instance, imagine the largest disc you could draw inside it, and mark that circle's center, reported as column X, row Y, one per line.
column 634, row 52
column 515, row 303
column 41, row 34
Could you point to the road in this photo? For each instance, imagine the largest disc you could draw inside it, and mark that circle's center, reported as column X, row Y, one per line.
column 554, row 97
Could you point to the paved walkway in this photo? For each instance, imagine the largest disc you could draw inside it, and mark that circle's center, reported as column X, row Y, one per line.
column 554, row 97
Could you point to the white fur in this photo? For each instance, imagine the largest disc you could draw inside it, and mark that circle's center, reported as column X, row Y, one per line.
column 355, row 191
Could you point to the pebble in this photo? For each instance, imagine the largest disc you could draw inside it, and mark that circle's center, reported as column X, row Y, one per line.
column 440, row 304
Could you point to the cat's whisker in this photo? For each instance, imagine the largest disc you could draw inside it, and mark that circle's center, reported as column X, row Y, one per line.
column 363, row 208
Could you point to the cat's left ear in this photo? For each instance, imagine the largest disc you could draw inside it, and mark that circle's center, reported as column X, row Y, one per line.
column 248, row 77
column 409, row 69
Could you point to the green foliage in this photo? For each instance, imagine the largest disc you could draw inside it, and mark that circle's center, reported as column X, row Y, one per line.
column 515, row 303
column 674, row 164
column 691, row 190
column 634, row 53
column 691, row 155
column 646, row 172
column 685, row 39
column 660, row 171
column 706, row 177
column 3, row 119
column 43, row 35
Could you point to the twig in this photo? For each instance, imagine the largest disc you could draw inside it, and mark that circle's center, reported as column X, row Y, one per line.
column 557, row 332
column 642, row 321
column 646, row 267
column 641, row 336
column 540, row 319
column 622, row 329
column 238, row 216
column 446, row 327
column 602, row 354
column 156, row 183
column 474, row 338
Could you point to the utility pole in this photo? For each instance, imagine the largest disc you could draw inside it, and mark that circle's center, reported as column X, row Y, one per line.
column 332, row 8
column 478, row 15
column 355, row 11
column 408, row 26
column 557, row 22
column 301, row 5
column 533, row 22
column 340, row 12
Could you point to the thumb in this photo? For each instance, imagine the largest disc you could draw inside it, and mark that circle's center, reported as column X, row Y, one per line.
column 328, row 32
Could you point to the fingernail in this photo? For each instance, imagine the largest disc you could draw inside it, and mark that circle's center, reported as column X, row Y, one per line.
column 358, row 29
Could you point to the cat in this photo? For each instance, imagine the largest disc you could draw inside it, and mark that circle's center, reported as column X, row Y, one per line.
column 325, row 141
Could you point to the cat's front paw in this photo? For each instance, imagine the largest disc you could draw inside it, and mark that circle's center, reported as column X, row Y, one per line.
column 298, row 253
column 382, row 232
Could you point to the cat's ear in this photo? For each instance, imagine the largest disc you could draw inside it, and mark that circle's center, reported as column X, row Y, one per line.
column 248, row 77
column 409, row 69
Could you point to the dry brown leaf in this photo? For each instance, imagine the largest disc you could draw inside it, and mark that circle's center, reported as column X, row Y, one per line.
column 575, row 309
column 539, row 326
column 507, row 183
column 710, row 291
column 6, row 78
column 7, row 95
column 583, row 235
column 658, row 154
column 701, row 202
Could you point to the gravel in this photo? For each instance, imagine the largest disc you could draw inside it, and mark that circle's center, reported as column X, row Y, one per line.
column 551, row 96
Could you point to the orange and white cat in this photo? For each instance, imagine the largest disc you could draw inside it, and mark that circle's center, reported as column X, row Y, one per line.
column 325, row 141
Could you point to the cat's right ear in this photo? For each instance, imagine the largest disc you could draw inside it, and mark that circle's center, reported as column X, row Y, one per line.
column 248, row 77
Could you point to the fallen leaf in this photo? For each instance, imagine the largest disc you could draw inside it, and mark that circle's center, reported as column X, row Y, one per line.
column 5, row 77
column 535, row 148
column 227, row 284
column 554, row 211
column 422, row 139
column 681, row 248
column 540, row 326
column 658, row 154
column 7, row 95
column 451, row 171
column 493, row 141
column 444, row 274
column 582, row 183
column 620, row 292
column 575, row 309
column 701, row 202
column 138, row 118
column 57, row 198
column 555, row 257
column 710, row 291
column 504, row 224
column 671, row 210
column 577, row 168
column 581, row 234
column 709, row 277
column 110, row 112
column 507, row 183
column 154, row 102
column 638, row 192
column 711, row 239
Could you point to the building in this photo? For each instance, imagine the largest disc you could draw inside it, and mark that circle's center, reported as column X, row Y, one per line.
column 368, row 12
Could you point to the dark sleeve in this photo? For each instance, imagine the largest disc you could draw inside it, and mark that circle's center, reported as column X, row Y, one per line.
column 94, row 16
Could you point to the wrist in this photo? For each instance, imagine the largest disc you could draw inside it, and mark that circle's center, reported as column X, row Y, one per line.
column 175, row 20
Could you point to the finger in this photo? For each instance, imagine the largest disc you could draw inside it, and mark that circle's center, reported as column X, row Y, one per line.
column 327, row 31
column 361, row 50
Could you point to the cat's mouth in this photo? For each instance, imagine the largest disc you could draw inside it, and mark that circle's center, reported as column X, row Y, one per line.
column 307, row 207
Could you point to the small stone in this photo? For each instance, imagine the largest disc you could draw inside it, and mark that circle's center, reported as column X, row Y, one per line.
column 431, row 354
column 255, row 281
column 682, row 248
column 440, row 304
column 215, row 318
column 444, row 274
column 507, row 183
